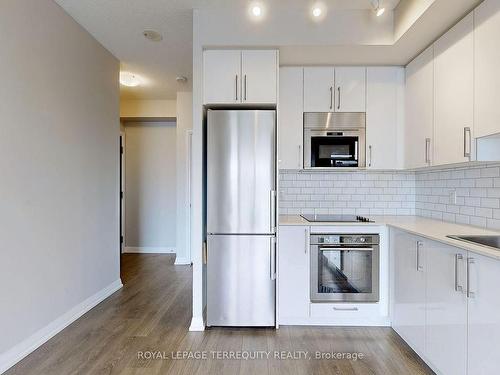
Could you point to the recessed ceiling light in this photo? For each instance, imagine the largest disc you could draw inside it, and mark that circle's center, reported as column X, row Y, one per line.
column 129, row 79
column 380, row 11
column 152, row 35
column 256, row 10
column 317, row 12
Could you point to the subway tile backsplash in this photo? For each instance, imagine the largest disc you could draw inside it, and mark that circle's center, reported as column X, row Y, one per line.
column 359, row 192
column 461, row 195
column 465, row 195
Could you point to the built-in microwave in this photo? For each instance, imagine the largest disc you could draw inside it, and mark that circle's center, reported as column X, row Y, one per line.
column 334, row 139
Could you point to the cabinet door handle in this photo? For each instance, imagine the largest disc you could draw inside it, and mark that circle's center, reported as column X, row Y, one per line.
column 370, row 155
column 470, row 292
column 419, row 245
column 428, row 150
column 245, row 81
column 467, row 142
column 458, row 287
column 300, row 157
column 306, row 233
column 236, row 84
column 338, row 104
column 331, row 97
column 345, row 309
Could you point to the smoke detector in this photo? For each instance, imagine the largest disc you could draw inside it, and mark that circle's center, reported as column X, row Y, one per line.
column 152, row 35
column 181, row 79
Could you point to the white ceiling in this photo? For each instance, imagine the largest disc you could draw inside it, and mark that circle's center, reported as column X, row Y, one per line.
column 118, row 25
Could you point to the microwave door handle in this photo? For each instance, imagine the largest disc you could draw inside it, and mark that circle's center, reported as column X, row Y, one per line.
column 356, row 150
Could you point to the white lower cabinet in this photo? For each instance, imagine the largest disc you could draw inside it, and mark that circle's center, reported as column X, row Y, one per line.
column 408, row 300
column 293, row 274
column 445, row 304
column 484, row 316
column 446, row 308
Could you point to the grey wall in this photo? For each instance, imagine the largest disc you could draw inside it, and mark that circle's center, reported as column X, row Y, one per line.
column 150, row 186
column 59, row 129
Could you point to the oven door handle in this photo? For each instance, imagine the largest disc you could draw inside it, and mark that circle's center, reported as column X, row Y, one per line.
column 330, row 248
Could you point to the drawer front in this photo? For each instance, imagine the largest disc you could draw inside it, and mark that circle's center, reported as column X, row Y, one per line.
column 343, row 310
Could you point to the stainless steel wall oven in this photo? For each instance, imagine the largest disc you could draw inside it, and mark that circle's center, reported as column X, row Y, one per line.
column 345, row 267
column 334, row 140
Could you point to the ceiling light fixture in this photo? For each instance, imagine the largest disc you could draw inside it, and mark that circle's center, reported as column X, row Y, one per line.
column 152, row 35
column 377, row 8
column 256, row 10
column 316, row 12
column 129, row 79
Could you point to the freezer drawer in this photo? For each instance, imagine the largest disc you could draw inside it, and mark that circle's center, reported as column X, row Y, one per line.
column 241, row 172
column 241, row 280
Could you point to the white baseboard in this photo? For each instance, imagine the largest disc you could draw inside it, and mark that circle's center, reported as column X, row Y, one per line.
column 197, row 324
column 149, row 250
column 21, row 350
column 181, row 261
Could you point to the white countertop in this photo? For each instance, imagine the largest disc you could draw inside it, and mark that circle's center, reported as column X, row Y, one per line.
column 429, row 228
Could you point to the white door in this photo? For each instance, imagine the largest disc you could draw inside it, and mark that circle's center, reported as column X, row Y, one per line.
column 290, row 118
column 486, row 68
column 408, row 305
column 221, row 76
column 318, row 89
column 384, row 85
column 419, row 110
column 446, row 328
column 350, row 89
column 259, row 74
column 453, row 94
column 484, row 316
column 293, row 274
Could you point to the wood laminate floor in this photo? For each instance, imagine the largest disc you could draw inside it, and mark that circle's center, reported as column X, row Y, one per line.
column 150, row 317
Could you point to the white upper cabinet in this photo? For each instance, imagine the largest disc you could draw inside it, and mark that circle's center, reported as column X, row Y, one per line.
column 486, row 68
column 221, row 76
column 290, row 119
column 259, row 74
column 384, row 111
column 235, row 76
column 453, row 94
column 293, row 277
column 318, row 89
column 484, row 316
column 419, row 108
column 408, row 303
column 350, row 89
column 446, row 325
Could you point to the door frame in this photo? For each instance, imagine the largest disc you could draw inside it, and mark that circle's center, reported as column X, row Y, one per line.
column 122, row 190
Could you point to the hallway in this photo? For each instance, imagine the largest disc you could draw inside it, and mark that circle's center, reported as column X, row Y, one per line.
column 136, row 330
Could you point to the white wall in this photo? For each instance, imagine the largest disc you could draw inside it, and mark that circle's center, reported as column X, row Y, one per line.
column 59, row 134
column 131, row 108
column 184, row 128
column 150, row 186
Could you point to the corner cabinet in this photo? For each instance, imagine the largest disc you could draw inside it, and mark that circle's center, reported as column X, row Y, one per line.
column 384, row 112
column 453, row 94
column 419, row 110
column 290, row 130
column 445, row 304
column 240, row 76
column 293, row 274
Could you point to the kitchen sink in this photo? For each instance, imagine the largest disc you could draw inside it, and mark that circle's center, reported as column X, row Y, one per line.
column 490, row 241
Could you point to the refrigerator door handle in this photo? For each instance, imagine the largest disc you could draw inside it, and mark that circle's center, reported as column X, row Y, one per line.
column 273, row 259
column 273, row 210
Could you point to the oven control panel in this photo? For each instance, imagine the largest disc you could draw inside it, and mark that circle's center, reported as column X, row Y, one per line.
column 345, row 239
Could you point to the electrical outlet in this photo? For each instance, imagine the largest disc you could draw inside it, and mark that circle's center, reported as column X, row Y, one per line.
column 453, row 196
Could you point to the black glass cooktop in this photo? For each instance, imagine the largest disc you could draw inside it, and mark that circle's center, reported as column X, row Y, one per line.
column 336, row 218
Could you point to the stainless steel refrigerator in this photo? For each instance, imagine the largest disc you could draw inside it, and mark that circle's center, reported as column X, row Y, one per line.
column 241, row 217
